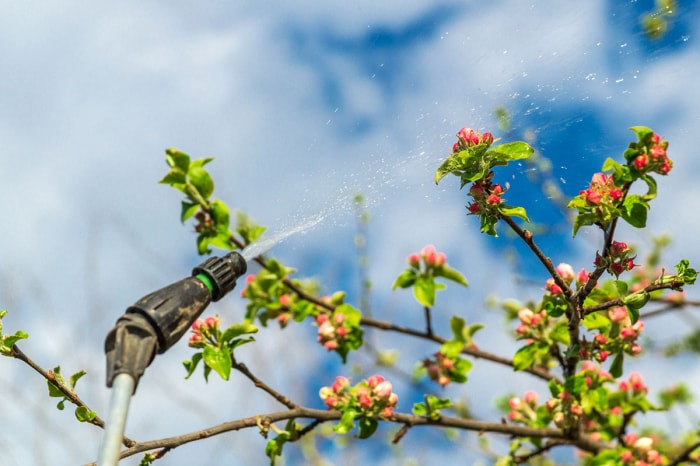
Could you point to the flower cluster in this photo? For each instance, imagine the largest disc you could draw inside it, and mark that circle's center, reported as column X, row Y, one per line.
column 467, row 137
column 205, row 224
column 532, row 324
column 641, row 451
column 337, row 330
column 523, row 409
column 441, row 369
column 202, row 331
column 618, row 259
column 372, row 398
column 486, row 196
column 428, row 256
column 652, row 157
column 602, row 191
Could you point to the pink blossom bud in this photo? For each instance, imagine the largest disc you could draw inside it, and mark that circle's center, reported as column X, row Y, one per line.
column 338, row 318
column 440, row 259
column 602, row 356
column 365, row 401
column 494, row 199
column 326, row 330
column 428, row 253
column 615, row 194
column 487, row 138
column 566, row 272
column 443, row 380
column 530, row 397
column 589, row 366
column 474, row 208
column 525, row 315
column 211, row 322
column 249, row 279
column 628, row 333
column 195, row 340
column 591, row 196
column 640, row 162
column 393, row 399
column 387, row 412
column 559, row 419
column 576, row 410
column 340, row 384
column 414, row 260
column 635, row 349
column 515, row 403
column 283, row 318
column 617, row 248
column 197, row 324
column 374, row 380
column 643, row 444
column 552, row 287
column 637, row 383
column 618, row 314
column 599, row 179
column 321, row 318
column 600, row 339
column 285, row 300
column 626, row 456
column 383, row 390
column 330, row 345
column 341, row 332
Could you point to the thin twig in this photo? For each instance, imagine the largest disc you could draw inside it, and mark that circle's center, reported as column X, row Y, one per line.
column 584, row 443
column 243, row 369
column 66, row 391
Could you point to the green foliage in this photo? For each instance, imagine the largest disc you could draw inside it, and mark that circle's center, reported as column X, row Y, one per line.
column 217, row 349
column 7, row 342
column 82, row 413
column 431, row 407
column 475, row 162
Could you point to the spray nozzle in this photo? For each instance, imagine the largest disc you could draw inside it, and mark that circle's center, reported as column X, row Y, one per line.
column 155, row 322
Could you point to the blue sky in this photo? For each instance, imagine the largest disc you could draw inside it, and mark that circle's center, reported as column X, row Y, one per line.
column 303, row 105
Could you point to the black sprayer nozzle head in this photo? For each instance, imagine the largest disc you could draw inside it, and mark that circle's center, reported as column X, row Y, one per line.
column 155, row 322
column 222, row 272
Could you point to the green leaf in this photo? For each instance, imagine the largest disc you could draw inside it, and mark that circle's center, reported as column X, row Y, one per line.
column 644, row 134
column 54, row 391
column 220, row 215
column 451, row 274
column 218, row 359
column 457, row 325
column 237, row 330
column 634, row 210
column 346, row 423
column 190, row 366
column 175, row 177
column 187, row 210
column 367, row 427
column 201, row 180
column 513, row 211
column 8, row 341
column 686, row 274
column 510, row 151
column 616, row 366
column 84, row 414
column 596, row 320
column 424, row 291
column 177, row 159
column 636, row 300
column 75, row 377
column 405, row 280
column 524, row 357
